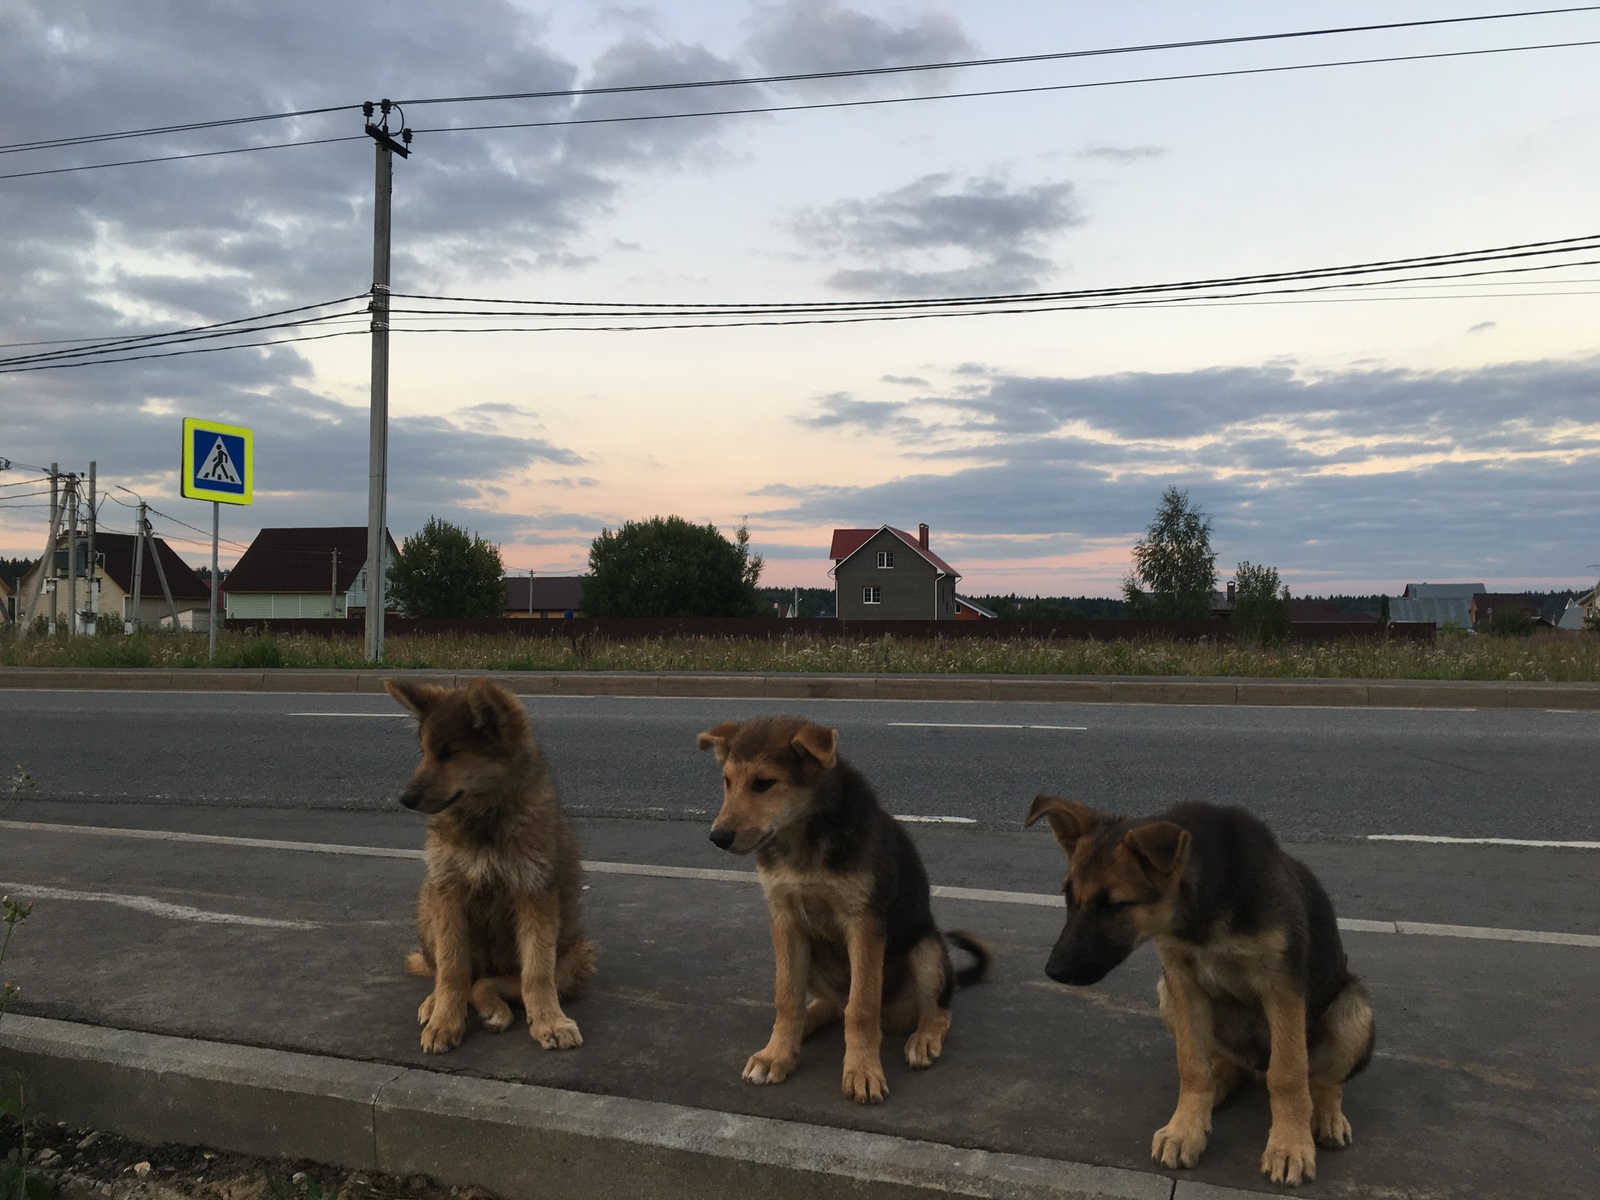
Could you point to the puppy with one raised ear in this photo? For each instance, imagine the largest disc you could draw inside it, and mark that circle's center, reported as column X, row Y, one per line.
column 852, row 925
column 1254, row 977
column 498, row 915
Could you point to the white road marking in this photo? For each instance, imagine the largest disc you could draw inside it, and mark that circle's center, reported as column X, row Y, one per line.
column 385, row 716
column 977, row 725
column 212, row 839
column 648, row 870
column 1431, row 839
column 154, row 908
column 919, row 820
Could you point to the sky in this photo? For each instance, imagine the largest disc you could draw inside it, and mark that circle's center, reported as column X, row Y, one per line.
column 1354, row 442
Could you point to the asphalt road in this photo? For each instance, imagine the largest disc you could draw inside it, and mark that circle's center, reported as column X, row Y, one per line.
column 1488, row 1069
column 1314, row 774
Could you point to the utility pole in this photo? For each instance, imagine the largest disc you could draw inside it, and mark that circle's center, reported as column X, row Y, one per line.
column 378, row 444
column 47, row 563
column 72, row 555
column 161, row 571
column 92, row 584
column 138, row 571
column 333, row 587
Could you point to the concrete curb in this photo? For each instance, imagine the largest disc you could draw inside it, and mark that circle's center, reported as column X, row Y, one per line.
column 1047, row 689
column 519, row 1140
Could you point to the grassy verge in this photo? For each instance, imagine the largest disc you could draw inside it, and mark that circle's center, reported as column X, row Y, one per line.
column 1553, row 657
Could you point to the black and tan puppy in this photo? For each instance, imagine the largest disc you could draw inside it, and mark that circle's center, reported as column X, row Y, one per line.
column 1254, row 978
column 498, row 914
column 851, row 920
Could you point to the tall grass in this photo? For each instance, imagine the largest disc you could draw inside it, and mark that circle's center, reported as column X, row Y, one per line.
column 1545, row 657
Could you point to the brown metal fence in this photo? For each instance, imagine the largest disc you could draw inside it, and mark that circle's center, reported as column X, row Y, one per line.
column 827, row 628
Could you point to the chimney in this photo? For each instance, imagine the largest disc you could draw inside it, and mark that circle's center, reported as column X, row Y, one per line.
column 1230, row 593
column 922, row 535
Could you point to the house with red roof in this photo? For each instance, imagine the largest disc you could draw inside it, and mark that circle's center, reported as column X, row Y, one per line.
column 888, row 574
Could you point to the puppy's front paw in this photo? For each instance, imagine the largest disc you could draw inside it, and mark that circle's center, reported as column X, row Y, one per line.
column 769, row 1066
column 560, row 1034
column 443, row 1032
column 1290, row 1158
column 425, row 1010
column 1332, row 1129
column 923, row 1047
column 864, row 1081
column 1176, row 1145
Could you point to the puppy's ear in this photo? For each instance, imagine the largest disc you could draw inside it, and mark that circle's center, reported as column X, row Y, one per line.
column 1162, row 850
column 1068, row 819
column 813, row 741
column 717, row 738
column 418, row 697
column 490, row 705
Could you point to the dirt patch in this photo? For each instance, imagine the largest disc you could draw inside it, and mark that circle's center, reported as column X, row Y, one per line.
column 67, row 1163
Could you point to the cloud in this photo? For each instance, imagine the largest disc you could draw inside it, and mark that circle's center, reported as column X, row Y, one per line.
column 1355, row 474
column 939, row 236
column 907, row 380
column 1481, row 327
column 1124, row 155
column 808, row 36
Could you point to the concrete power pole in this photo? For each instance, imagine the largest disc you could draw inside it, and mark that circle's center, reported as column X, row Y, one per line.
column 47, row 563
column 72, row 555
column 138, row 572
column 378, row 443
column 93, row 581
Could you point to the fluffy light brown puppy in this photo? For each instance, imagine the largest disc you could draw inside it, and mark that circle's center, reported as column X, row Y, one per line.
column 498, row 916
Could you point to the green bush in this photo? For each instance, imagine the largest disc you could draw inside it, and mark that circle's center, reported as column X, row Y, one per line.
column 1261, row 609
column 259, row 653
column 1508, row 621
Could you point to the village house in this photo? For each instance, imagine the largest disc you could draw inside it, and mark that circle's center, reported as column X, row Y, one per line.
column 887, row 574
column 306, row 572
column 546, row 596
column 114, row 560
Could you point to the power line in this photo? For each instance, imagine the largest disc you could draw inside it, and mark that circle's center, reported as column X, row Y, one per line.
column 1018, row 91
column 815, row 76
column 154, row 130
column 91, row 343
column 134, row 162
column 1010, row 60
column 56, row 366
column 1588, row 242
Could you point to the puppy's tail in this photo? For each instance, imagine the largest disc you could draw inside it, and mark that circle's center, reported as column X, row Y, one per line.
column 416, row 964
column 979, row 949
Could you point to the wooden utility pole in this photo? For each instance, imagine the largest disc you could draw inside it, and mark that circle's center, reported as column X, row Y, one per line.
column 47, row 563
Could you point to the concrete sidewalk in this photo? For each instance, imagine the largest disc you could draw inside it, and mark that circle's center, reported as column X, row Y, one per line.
column 251, row 997
column 1341, row 693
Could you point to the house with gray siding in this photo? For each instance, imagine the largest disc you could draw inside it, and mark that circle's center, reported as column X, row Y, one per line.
column 307, row 572
column 887, row 574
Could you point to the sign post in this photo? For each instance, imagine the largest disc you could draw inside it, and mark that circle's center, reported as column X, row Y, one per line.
column 219, row 466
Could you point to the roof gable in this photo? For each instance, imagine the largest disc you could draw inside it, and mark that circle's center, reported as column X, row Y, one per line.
column 847, row 542
column 302, row 560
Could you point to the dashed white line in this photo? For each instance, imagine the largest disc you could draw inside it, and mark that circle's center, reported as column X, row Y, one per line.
column 917, row 819
column 647, row 870
column 1431, row 839
column 384, row 716
column 152, row 907
column 977, row 725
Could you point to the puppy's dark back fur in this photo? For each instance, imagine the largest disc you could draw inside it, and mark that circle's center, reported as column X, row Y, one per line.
column 1240, row 877
column 848, row 830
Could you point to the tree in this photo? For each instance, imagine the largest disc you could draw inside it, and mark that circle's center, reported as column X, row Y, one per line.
column 446, row 572
column 1174, row 568
column 1261, row 608
column 1508, row 620
column 668, row 567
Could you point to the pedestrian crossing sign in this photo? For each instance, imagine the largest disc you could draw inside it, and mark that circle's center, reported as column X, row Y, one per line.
column 218, row 462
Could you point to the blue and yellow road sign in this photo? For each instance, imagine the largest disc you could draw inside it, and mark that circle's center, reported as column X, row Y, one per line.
column 218, row 462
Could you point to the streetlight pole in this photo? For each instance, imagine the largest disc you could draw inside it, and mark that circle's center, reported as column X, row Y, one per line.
column 378, row 443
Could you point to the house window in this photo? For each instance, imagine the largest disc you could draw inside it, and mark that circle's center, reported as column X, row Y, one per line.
column 872, row 595
column 886, row 559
